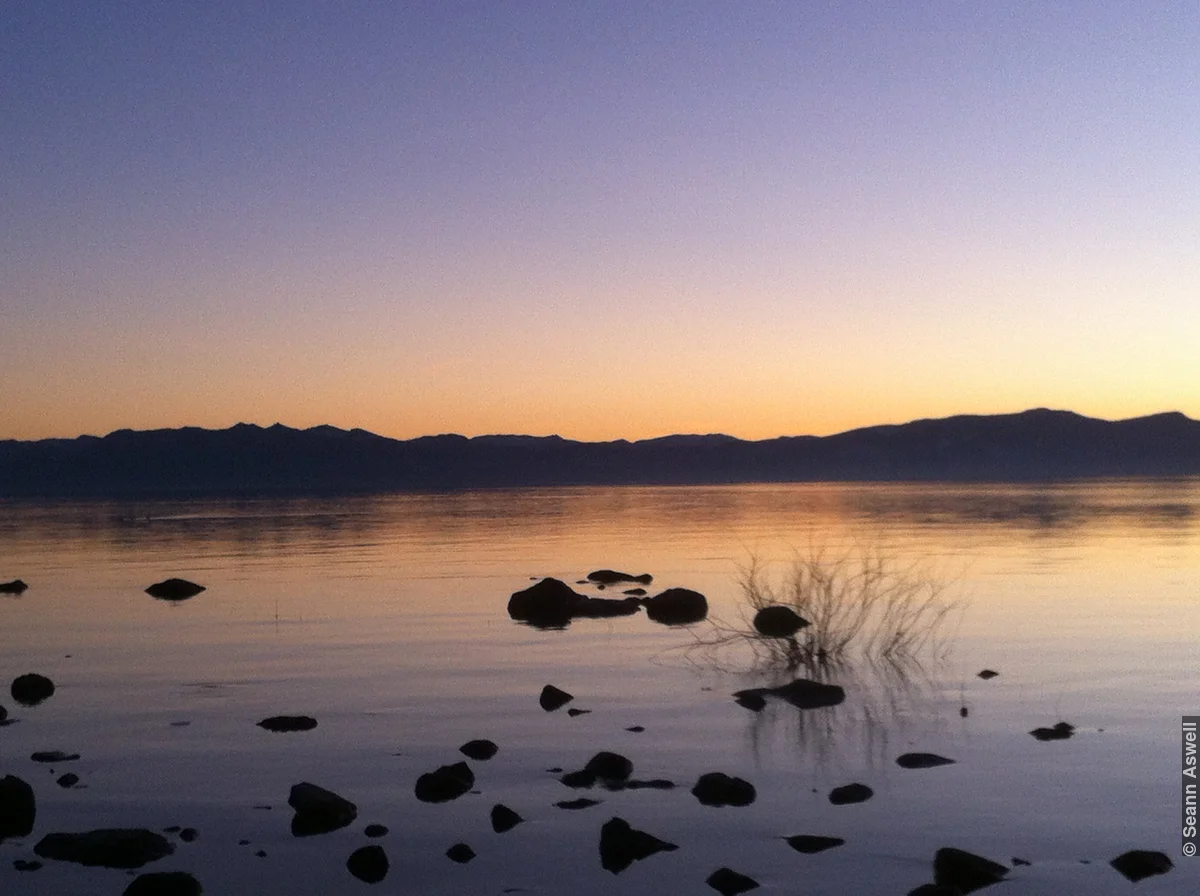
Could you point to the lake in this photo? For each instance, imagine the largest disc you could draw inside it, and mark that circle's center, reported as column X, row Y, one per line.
column 385, row 619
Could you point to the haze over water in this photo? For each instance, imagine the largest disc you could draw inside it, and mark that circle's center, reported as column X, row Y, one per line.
column 384, row 618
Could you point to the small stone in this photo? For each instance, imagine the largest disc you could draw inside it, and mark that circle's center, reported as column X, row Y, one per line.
column 48, row 756
column 582, row 803
column 174, row 589
column 988, row 673
column 460, row 853
column 448, row 782
column 778, row 622
column 850, row 793
column 553, row 698
column 374, row 831
column 609, row 766
column 636, row 729
column 504, row 819
column 728, row 882
column 369, row 864
column 1138, row 864
column 1060, row 731
column 189, row 835
column 481, row 750
column 720, row 789
column 67, row 781
column 572, row 712
column 16, row 586
column 287, row 724
column 922, row 760
column 810, row 843
column 261, row 853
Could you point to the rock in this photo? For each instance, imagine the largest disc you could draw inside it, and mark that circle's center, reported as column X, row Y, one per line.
column 634, row 592
column 174, row 589
column 481, row 750
column 31, row 689
column 288, row 723
column 318, row 811
column 368, row 863
column 636, row 729
column 24, row 865
column 922, row 760
column 553, row 698
column 70, row 779
column 966, row 871
column 504, row 819
column 189, row 835
column 677, row 606
column 548, row 604
column 1018, row 861
column 720, row 789
column 460, row 853
column 3, row 714
column 985, row 674
column 1138, row 864
column 449, row 782
column 18, row 808
column 573, row 712
column 622, row 845
column 1061, row 731
column 778, row 622
column 164, row 883
column 638, row 784
column 850, row 793
column 375, row 831
column 48, row 756
column 108, row 848
column 611, row 577
column 811, row 843
column 802, row 693
column 609, row 766
column 935, row 890
column 728, row 882
column 581, row 778
column 582, row 803
column 606, row 607
column 16, row 586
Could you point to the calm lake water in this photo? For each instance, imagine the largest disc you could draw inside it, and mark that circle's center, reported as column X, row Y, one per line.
column 384, row 618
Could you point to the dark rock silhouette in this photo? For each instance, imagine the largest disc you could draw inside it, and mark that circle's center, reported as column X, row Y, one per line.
column 935, row 890
column 504, row 819
column 720, row 789
column 108, row 848
column 728, row 882
column 639, row 784
column 368, row 863
column 812, row 843
column 609, row 766
column 802, row 693
column 16, row 586
column 582, row 803
column 553, row 698
column 778, row 622
column 49, row 756
column 677, row 606
column 622, row 845
column 634, row 592
column 318, row 811
column 636, row 729
column 375, row 831
column 579, row 779
column 288, row 723
column 448, row 782
column 547, row 604
column 1138, row 864
column 612, row 577
column 1060, row 731
column 26, row 865
column 922, row 760
column 964, row 870
column 460, row 853
column 164, row 883
column 174, row 589
column 850, row 793
column 31, row 689
column 481, row 750
column 67, row 781
column 573, row 712
column 985, row 674
column 18, row 808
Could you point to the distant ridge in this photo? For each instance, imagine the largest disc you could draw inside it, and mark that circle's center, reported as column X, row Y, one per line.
column 1037, row 444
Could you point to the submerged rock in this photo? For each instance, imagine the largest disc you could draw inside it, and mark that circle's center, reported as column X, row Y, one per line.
column 802, row 693
column 108, row 848
column 778, row 622
column 460, row 853
column 481, row 750
column 1061, row 731
column 504, row 819
column 174, row 589
column 31, row 689
column 288, row 723
column 582, row 803
column 49, row 756
column 16, row 586
column 677, row 606
column 574, row 713
column 609, row 766
column 548, row 604
column 318, row 811
column 606, row 607
column 164, row 883
column 1138, row 864
column 922, row 760
column 720, row 789
column 18, row 808
column 850, row 793
column 985, row 674
column 728, row 882
column 553, row 698
column 374, row 831
column 26, row 865
column 964, row 870
column 612, row 577
column 811, row 843
column 368, row 863
column 448, row 782
column 67, row 781
column 640, row 784
column 622, row 845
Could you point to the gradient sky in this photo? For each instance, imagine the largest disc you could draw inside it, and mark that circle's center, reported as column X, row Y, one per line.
column 600, row 220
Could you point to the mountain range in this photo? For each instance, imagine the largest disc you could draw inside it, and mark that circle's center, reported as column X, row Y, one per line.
column 248, row 459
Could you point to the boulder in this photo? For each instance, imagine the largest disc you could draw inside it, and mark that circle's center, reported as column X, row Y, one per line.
column 548, row 604
column 922, row 760
column 964, row 870
column 553, row 698
column 31, row 689
column 448, row 782
column 720, row 789
column 18, row 808
column 108, row 848
column 728, row 882
column 318, row 811
column 811, row 843
column 677, row 606
column 802, row 693
column 622, row 845
column 288, row 723
column 16, row 586
column 480, row 750
column 164, row 883
column 1138, row 864
column 504, row 819
column 612, row 577
column 778, row 622
column 368, row 863
column 174, row 589
column 850, row 793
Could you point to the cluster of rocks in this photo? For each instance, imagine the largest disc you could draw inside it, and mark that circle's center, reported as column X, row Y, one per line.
column 552, row 603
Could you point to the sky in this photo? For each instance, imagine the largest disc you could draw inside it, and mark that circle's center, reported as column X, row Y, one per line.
column 599, row 220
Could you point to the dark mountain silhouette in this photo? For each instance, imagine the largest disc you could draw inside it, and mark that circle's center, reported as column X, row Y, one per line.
column 246, row 459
